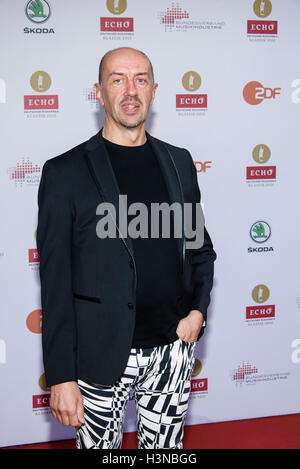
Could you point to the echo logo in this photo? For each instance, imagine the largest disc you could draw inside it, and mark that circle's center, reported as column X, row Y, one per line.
column 122, row 24
column 254, row 92
column 2, row 91
column 295, row 96
column 40, row 82
column 33, row 256
column 35, row 102
column 296, row 353
column 262, row 8
column 116, row 7
column 262, row 27
column 260, row 294
column 40, row 400
column 261, row 154
column 2, row 352
column 199, row 385
column 191, row 81
column 119, row 24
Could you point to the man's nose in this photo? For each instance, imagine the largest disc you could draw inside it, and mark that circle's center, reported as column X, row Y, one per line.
column 131, row 88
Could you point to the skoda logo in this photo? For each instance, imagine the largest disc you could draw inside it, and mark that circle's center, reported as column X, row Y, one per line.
column 260, row 231
column 38, row 11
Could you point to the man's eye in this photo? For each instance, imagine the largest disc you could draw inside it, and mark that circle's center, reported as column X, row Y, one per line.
column 141, row 81
column 117, row 81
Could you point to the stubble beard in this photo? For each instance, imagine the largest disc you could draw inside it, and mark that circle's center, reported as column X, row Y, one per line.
column 133, row 125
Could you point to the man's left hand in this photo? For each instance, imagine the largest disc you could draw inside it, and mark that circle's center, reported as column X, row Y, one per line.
column 189, row 327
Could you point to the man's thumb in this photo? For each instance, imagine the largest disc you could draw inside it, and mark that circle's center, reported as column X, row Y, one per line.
column 80, row 413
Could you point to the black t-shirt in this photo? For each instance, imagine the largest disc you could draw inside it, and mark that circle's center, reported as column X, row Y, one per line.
column 159, row 282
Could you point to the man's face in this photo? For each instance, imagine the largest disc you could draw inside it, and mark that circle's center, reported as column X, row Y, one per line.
column 127, row 89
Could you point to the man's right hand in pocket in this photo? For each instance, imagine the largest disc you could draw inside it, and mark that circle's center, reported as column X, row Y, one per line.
column 66, row 403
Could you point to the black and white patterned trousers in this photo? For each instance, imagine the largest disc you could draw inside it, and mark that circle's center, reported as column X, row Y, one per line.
column 160, row 378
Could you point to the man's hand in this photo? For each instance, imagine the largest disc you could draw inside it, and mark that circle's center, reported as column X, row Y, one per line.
column 66, row 403
column 189, row 327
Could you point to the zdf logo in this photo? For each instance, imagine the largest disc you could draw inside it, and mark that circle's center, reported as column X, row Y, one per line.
column 202, row 166
column 254, row 92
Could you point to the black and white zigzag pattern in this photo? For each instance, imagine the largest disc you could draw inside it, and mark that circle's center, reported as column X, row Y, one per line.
column 160, row 378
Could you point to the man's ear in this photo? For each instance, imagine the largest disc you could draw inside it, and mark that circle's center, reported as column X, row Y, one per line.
column 99, row 97
column 154, row 88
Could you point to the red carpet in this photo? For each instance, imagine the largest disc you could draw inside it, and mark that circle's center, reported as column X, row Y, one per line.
column 280, row 432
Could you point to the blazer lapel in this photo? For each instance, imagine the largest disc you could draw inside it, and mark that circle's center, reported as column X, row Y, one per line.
column 104, row 177
column 171, row 177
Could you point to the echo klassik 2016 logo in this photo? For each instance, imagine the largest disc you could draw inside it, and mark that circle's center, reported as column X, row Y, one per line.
column 262, row 27
column 191, row 81
column 261, row 155
column 33, row 256
column 262, row 8
column 116, row 7
column 40, row 82
column 198, row 384
column 260, row 294
column 41, row 401
column 116, row 24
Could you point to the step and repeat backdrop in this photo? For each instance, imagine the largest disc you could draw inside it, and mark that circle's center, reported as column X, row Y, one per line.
column 229, row 91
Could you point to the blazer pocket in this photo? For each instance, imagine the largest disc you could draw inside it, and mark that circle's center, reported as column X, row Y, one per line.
column 93, row 299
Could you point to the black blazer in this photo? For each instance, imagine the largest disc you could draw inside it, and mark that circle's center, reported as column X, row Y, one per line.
column 88, row 284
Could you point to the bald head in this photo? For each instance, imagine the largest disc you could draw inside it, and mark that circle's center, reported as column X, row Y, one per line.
column 121, row 51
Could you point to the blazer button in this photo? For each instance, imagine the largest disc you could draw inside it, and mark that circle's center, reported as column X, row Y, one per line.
column 131, row 264
column 130, row 305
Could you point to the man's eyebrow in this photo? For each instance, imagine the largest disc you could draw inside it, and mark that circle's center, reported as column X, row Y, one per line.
column 122, row 74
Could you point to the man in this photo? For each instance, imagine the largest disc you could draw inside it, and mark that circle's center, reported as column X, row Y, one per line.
column 121, row 313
